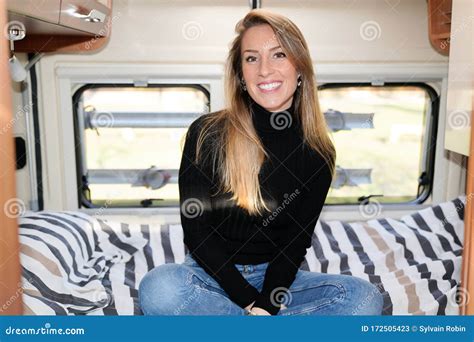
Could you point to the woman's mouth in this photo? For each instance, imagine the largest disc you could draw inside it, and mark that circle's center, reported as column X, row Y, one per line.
column 269, row 87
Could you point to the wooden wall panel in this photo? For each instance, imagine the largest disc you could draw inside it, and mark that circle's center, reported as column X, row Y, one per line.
column 467, row 274
column 10, row 287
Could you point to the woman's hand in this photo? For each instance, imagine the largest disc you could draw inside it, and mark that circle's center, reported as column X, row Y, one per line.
column 260, row 311
column 248, row 307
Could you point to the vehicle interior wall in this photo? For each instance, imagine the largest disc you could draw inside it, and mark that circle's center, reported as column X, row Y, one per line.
column 161, row 40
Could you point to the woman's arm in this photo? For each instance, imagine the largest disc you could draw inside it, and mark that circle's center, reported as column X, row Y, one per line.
column 200, row 236
column 285, row 263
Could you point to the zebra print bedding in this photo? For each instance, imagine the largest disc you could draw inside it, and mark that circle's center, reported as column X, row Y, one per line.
column 75, row 264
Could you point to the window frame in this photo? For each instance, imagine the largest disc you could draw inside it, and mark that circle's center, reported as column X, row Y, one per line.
column 429, row 143
column 79, row 143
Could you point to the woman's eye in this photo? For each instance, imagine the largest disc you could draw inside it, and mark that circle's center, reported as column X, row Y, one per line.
column 280, row 54
column 250, row 59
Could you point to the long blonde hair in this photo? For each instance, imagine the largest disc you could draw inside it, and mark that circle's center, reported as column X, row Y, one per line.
column 239, row 154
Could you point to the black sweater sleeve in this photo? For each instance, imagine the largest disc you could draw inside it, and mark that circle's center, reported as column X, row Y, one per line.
column 286, row 261
column 200, row 236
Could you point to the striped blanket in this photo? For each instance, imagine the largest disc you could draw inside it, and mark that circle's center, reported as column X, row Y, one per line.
column 75, row 264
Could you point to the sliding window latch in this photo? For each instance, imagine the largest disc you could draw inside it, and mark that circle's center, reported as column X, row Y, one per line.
column 366, row 199
column 423, row 181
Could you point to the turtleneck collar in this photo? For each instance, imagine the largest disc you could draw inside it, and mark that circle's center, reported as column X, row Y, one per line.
column 279, row 122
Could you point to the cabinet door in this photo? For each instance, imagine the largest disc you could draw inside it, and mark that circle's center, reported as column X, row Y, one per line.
column 439, row 23
column 46, row 10
column 460, row 78
column 86, row 16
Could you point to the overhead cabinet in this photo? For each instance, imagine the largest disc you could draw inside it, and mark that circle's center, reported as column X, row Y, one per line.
column 60, row 25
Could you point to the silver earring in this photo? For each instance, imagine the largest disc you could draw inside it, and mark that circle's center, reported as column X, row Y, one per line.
column 243, row 85
column 299, row 81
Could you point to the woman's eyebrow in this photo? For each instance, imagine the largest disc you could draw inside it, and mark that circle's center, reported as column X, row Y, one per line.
column 273, row 48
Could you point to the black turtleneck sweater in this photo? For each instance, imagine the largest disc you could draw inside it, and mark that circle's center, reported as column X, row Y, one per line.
column 219, row 234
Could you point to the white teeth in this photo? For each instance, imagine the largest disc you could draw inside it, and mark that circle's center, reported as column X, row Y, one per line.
column 269, row 86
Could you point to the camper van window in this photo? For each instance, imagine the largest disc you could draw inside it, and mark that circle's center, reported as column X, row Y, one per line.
column 385, row 139
column 128, row 142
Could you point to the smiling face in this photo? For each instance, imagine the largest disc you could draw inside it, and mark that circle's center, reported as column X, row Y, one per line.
column 270, row 77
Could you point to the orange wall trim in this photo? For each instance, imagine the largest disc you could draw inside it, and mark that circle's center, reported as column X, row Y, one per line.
column 10, row 286
column 467, row 275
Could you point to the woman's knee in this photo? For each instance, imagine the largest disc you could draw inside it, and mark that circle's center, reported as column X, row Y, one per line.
column 161, row 289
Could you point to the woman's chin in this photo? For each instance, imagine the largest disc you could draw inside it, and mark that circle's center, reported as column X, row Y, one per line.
column 272, row 105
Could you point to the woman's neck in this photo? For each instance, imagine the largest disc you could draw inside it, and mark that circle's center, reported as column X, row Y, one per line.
column 279, row 122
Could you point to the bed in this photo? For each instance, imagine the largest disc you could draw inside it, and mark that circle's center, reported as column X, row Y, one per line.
column 76, row 264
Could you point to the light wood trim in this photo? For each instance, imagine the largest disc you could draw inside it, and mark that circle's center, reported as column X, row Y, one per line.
column 10, row 287
column 58, row 43
column 467, row 273
column 67, row 43
column 439, row 24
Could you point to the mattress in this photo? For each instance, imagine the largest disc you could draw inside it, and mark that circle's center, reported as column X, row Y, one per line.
column 76, row 264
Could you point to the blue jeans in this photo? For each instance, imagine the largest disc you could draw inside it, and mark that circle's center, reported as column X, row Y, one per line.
column 187, row 289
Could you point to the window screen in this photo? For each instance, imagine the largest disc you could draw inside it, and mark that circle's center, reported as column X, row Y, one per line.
column 384, row 138
column 129, row 142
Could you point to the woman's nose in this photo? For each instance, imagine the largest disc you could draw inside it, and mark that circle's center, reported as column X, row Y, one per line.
column 265, row 67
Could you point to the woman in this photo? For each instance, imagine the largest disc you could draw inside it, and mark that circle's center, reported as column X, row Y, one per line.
column 252, row 181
